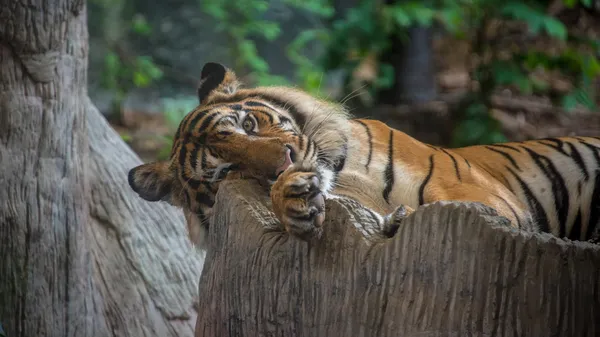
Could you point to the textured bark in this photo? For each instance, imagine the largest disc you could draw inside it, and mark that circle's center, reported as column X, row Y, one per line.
column 80, row 254
column 146, row 271
column 45, row 278
column 453, row 269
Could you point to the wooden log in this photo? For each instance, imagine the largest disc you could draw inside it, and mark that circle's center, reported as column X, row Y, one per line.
column 453, row 269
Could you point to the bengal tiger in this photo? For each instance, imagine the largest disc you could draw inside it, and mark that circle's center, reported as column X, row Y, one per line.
column 307, row 149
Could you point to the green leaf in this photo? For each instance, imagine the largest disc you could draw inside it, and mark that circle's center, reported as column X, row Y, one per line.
column 421, row 14
column 385, row 78
column 140, row 25
column 140, row 79
column 216, row 9
column 536, row 19
column 112, row 62
column 401, row 17
column 555, row 28
column 452, row 19
column 570, row 3
column 587, row 3
column 569, row 101
column 270, row 30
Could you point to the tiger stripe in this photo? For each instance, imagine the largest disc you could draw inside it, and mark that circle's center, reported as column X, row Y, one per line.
column 551, row 184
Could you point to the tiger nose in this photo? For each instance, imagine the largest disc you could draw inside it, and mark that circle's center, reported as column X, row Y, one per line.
column 292, row 153
column 287, row 161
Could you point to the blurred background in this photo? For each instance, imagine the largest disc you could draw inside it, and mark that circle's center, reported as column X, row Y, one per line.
column 450, row 73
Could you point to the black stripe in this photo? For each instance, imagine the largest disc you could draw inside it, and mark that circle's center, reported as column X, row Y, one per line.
column 220, row 121
column 194, row 157
column 255, row 104
column 342, row 160
column 467, row 162
column 283, row 119
column 511, row 209
column 594, row 208
column 292, row 110
column 192, row 183
column 178, row 133
column 389, row 169
column 506, row 182
column 505, row 155
column 576, row 156
column 308, row 148
column 455, row 164
column 594, row 150
column 559, row 188
column 203, row 160
column 558, row 145
column 205, row 122
column 235, row 107
column 269, row 116
column 506, row 147
column 432, row 147
column 174, row 151
column 300, row 142
column 577, row 226
column 191, row 126
column 370, row 141
column 534, row 203
column 424, row 183
column 182, row 155
column 204, row 199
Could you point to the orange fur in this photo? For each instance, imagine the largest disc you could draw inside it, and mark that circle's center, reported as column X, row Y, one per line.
column 552, row 185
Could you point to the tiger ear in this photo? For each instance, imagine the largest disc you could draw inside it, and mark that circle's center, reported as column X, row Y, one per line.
column 152, row 181
column 215, row 77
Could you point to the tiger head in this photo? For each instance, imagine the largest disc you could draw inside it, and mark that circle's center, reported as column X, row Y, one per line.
column 255, row 133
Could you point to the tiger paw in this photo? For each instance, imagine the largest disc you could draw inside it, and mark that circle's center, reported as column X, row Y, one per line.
column 299, row 204
column 392, row 221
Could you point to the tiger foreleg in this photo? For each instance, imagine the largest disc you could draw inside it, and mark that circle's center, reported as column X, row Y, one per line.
column 298, row 203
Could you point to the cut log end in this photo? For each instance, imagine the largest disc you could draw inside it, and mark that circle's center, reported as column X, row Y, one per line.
column 451, row 269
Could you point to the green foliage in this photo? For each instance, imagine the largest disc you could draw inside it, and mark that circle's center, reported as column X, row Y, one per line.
column 537, row 20
column 476, row 127
column 369, row 28
column 242, row 23
column 123, row 69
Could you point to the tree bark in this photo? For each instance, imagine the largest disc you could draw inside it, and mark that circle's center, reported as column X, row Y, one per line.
column 453, row 269
column 80, row 254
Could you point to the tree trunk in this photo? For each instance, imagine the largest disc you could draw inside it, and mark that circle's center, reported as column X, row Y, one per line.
column 80, row 254
column 453, row 269
column 414, row 73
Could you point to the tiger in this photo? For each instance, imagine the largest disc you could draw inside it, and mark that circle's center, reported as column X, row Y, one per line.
column 305, row 150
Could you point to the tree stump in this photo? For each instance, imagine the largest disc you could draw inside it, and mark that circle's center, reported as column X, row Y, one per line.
column 453, row 269
column 81, row 255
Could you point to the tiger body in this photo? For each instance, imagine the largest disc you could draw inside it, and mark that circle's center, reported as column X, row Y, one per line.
column 305, row 150
column 551, row 185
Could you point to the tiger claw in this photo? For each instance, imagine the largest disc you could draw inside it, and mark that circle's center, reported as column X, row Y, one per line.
column 393, row 220
column 299, row 203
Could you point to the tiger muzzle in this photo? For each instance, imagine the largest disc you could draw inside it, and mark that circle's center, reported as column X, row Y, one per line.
column 264, row 157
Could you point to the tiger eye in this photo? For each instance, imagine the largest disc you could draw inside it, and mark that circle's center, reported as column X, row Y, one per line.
column 248, row 124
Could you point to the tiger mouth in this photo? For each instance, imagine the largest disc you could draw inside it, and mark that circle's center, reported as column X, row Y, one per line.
column 287, row 162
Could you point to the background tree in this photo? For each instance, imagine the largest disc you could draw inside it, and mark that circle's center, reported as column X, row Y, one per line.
column 80, row 255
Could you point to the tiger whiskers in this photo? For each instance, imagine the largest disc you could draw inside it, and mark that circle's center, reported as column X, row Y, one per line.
column 354, row 93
